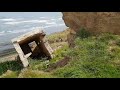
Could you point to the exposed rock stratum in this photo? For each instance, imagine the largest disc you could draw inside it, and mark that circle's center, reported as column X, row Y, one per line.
column 94, row 22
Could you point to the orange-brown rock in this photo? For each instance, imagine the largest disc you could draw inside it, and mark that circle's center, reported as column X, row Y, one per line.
column 94, row 22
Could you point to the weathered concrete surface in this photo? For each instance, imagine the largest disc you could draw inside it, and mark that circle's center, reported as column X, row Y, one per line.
column 32, row 44
column 94, row 22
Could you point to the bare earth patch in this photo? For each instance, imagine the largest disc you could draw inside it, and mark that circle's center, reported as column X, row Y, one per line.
column 60, row 63
column 11, row 57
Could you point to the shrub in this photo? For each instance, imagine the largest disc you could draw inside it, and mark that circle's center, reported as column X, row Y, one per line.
column 82, row 33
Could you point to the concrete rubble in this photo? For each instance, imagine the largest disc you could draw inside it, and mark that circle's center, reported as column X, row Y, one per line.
column 32, row 44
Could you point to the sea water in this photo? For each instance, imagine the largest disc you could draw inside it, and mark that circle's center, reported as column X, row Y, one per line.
column 13, row 24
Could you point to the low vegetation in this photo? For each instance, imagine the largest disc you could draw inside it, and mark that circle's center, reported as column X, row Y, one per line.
column 58, row 36
column 92, row 57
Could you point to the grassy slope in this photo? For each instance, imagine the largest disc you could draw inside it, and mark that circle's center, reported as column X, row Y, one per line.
column 13, row 69
column 92, row 57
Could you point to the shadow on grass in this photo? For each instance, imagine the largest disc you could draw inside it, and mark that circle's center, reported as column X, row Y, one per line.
column 11, row 65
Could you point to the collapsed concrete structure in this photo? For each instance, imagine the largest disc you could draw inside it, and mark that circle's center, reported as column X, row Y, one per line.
column 32, row 44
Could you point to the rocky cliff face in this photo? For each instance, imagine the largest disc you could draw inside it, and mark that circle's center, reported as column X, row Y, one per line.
column 94, row 22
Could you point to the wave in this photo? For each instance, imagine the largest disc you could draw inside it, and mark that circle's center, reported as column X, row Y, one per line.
column 2, row 33
column 11, row 21
column 27, row 21
column 8, row 19
column 59, row 18
column 47, row 23
column 53, row 23
column 56, row 25
column 29, row 29
column 53, row 19
column 43, row 17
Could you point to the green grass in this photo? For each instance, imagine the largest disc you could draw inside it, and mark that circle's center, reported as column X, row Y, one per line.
column 10, row 65
column 60, row 54
column 28, row 73
column 83, row 33
column 9, row 74
column 33, row 71
column 92, row 57
column 36, row 67
column 52, row 38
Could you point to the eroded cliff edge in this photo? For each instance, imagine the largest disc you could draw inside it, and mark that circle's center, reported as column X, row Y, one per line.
column 94, row 22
